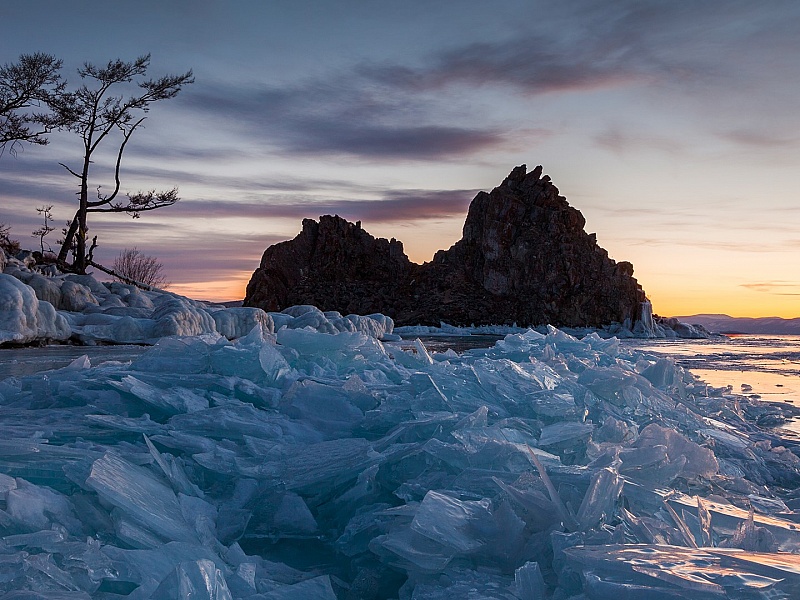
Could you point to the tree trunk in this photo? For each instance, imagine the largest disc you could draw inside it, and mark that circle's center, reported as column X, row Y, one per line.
column 80, row 217
column 80, row 246
column 68, row 237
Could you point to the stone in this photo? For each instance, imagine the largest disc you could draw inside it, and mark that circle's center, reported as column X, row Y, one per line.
column 524, row 258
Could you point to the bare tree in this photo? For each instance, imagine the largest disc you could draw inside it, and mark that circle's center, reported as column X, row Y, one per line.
column 132, row 265
column 31, row 83
column 98, row 114
column 46, row 228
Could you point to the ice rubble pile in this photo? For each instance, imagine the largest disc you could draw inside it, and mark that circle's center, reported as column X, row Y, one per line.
column 310, row 465
column 39, row 307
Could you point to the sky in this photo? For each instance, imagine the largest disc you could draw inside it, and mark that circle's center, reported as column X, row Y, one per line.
column 674, row 127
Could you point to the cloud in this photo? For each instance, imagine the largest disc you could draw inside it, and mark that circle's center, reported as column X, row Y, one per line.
column 222, row 257
column 760, row 138
column 232, row 258
column 732, row 246
column 388, row 207
column 426, row 108
column 393, row 142
column 577, row 46
column 344, row 115
column 620, row 141
column 532, row 64
column 36, row 181
column 172, row 235
column 776, row 288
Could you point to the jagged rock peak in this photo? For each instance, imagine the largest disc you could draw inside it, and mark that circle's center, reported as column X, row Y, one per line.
column 524, row 257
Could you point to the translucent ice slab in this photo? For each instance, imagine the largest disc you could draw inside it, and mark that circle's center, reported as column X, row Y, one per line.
column 140, row 497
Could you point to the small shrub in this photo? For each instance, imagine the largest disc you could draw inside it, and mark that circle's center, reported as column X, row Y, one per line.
column 139, row 267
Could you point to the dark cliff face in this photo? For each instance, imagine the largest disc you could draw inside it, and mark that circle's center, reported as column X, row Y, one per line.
column 524, row 257
column 334, row 265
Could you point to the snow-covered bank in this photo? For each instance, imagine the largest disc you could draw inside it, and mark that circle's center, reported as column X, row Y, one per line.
column 56, row 308
column 306, row 465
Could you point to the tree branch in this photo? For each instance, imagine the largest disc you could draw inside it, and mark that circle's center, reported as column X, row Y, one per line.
column 70, row 170
column 126, row 136
column 119, row 276
column 128, row 209
column 139, row 202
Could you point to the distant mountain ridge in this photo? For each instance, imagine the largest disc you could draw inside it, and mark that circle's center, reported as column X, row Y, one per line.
column 728, row 324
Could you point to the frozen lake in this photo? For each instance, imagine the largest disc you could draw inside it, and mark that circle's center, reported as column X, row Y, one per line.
column 760, row 366
column 18, row 362
column 768, row 366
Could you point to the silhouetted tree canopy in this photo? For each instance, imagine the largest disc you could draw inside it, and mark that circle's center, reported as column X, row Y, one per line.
column 103, row 110
column 28, row 88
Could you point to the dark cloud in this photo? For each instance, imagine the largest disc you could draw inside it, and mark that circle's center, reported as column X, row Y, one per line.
column 251, row 183
column 177, row 152
column 533, row 65
column 28, row 183
column 185, row 258
column 427, row 109
column 579, row 46
column 395, row 111
column 220, row 258
column 392, row 206
column 392, row 142
column 344, row 116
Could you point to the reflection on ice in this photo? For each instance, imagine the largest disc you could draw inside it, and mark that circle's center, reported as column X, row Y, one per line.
column 671, row 572
column 767, row 366
column 332, row 465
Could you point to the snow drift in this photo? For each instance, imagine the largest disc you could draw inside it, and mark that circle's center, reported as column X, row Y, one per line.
column 57, row 308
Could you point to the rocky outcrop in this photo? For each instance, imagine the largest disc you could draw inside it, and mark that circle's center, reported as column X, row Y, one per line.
column 330, row 264
column 524, row 257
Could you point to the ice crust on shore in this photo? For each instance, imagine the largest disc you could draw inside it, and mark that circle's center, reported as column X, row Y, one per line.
column 78, row 308
column 647, row 328
column 304, row 464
